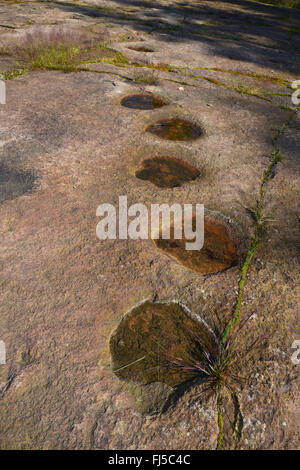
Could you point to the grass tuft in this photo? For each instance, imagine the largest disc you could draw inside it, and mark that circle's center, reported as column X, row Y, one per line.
column 56, row 48
column 60, row 49
column 147, row 78
column 118, row 59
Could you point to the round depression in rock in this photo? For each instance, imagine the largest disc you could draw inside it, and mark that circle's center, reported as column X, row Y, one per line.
column 143, row 101
column 219, row 252
column 175, row 129
column 150, row 338
column 166, row 171
column 14, row 183
column 140, row 48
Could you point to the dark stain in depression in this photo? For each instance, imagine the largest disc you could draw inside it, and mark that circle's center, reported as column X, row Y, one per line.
column 140, row 48
column 219, row 252
column 134, row 349
column 166, row 172
column 175, row 129
column 14, row 183
column 143, row 101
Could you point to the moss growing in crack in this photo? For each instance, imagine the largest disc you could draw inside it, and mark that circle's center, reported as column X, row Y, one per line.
column 258, row 76
column 245, row 90
column 283, row 128
column 119, row 59
column 273, row 93
column 237, row 312
column 15, row 73
column 7, row 26
column 161, row 67
column 276, row 158
column 229, row 333
column 240, row 89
